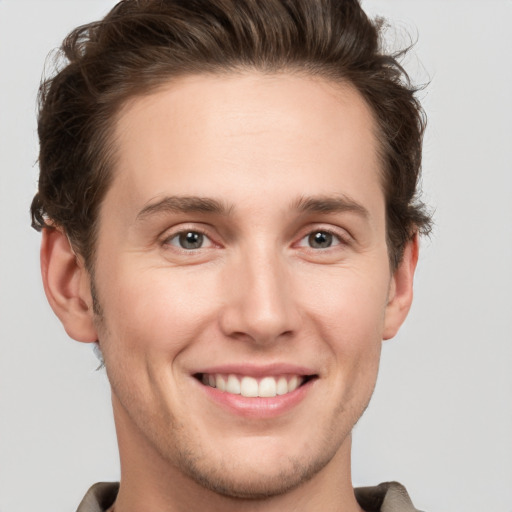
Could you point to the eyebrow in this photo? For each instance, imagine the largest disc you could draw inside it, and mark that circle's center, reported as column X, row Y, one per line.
column 184, row 204
column 330, row 204
column 193, row 204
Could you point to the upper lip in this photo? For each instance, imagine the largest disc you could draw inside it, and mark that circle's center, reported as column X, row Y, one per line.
column 252, row 370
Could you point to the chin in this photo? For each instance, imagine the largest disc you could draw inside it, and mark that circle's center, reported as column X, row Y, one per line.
column 243, row 480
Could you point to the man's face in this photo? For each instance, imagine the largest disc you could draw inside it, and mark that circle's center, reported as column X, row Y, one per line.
column 242, row 245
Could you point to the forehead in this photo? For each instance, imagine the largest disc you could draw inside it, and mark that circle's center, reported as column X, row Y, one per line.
column 237, row 134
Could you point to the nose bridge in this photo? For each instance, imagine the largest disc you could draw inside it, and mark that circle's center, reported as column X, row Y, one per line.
column 261, row 305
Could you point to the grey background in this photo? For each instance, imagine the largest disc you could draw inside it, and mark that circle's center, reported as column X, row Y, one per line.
column 441, row 418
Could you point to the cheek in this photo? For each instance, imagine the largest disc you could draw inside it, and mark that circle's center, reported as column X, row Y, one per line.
column 348, row 312
column 150, row 318
column 154, row 311
column 349, row 306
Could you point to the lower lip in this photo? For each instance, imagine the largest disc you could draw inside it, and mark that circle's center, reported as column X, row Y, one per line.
column 257, row 407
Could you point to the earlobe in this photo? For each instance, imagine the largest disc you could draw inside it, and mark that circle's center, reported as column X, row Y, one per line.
column 401, row 290
column 67, row 287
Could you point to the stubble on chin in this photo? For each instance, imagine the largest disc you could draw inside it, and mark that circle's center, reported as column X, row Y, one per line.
column 233, row 478
column 239, row 482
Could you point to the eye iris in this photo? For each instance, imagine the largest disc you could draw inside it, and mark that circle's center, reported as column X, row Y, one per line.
column 320, row 240
column 191, row 240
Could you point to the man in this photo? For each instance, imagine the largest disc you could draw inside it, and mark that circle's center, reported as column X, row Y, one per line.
column 228, row 204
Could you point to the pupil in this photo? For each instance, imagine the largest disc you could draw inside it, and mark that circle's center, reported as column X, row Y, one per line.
column 191, row 240
column 320, row 240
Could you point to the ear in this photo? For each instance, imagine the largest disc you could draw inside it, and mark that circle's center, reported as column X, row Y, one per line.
column 401, row 290
column 67, row 285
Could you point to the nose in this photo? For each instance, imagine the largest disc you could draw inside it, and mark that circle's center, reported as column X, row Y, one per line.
column 259, row 304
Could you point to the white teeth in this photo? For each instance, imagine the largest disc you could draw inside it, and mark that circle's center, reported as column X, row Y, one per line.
column 267, row 387
column 282, row 386
column 220, row 383
column 293, row 384
column 233, row 385
column 249, row 387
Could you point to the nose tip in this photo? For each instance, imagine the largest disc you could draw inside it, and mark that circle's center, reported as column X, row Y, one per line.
column 260, row 305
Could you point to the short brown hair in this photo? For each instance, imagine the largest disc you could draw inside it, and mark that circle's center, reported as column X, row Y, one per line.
column 142, row 44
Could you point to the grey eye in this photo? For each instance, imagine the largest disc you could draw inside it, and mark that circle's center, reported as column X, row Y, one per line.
column 320, row 240
column 190, row 240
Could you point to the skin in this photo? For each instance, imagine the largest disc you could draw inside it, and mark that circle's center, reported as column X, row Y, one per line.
column 271, row 150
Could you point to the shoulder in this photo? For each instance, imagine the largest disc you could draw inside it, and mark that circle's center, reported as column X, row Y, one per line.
column 385, row 497
column 99, row 497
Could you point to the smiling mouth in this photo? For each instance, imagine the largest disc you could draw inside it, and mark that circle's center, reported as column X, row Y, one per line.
column 251, row 387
